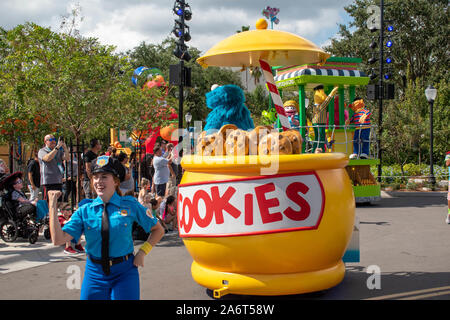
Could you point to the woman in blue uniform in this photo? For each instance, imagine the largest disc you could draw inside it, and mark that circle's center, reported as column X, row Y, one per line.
column 111, row 267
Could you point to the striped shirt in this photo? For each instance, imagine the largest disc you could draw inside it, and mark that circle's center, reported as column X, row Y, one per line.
column 357, row 116
column 320, row 114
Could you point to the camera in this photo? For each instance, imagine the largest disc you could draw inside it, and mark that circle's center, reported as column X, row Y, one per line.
column 61, row 138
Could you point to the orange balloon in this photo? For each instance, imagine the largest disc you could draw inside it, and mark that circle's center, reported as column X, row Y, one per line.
column 159, row 78
column 166, row 132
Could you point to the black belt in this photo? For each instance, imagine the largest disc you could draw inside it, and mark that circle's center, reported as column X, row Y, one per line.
column 112, row 261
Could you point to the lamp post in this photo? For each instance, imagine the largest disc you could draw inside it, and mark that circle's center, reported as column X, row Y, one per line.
column 188, row 118
column 430, row 93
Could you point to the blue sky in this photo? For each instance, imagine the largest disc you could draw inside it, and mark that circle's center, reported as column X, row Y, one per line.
column 125, row 24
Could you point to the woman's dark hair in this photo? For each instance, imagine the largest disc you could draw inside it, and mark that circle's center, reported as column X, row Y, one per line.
column 153, row 202
column 121, row 156
column 169, row 200
column 93, row 142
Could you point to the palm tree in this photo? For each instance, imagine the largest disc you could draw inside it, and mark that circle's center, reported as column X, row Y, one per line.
column 254, row 71
column 256, row 74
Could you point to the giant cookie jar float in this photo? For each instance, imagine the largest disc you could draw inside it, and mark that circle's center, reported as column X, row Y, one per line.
column 265, row 223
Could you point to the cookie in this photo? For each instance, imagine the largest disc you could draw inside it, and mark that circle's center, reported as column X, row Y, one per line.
column 255, row 136
column 206, row 144
column 237, row 143
column 296, row 140
column 226, row 130
column 274, row 143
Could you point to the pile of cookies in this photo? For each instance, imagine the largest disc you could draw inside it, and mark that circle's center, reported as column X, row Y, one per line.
column 263, row 140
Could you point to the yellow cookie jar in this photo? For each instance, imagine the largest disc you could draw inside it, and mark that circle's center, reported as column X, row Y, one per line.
column 266, row 225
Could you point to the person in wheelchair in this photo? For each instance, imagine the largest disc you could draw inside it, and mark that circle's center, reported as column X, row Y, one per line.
column 18, row 195
column 23, row 205
column 24, row 217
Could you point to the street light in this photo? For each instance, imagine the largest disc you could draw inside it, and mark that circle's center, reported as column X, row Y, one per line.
column 188, row 117
column 430, row 93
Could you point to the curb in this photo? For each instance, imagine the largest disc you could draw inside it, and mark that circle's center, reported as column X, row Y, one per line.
column 390, row 194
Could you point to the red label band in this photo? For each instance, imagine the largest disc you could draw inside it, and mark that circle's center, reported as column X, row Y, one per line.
column 251, row 206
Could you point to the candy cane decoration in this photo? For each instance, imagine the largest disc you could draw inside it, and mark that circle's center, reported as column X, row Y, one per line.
column 270, row 81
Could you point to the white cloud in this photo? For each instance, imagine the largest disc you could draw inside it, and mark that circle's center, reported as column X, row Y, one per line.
column 127, row 23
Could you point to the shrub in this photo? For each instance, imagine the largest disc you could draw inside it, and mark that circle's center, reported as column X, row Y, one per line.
column 411, row 186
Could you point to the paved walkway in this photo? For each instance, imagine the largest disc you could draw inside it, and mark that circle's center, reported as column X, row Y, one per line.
column 404, row 235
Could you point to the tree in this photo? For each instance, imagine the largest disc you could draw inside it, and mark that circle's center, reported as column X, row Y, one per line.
column 75, row 84
column 257, row 101
column 243, row 29
column 420, row 39
column 255, row 72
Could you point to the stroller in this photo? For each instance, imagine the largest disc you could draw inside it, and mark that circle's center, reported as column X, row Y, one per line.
column 20, row 219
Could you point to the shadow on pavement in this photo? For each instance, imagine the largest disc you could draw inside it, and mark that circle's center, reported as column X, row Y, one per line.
column 22, row 251
column 171, row 240
column 396, row 285
column 379, row 223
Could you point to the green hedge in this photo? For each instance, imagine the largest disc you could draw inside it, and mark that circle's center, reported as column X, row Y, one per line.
column 393, row 174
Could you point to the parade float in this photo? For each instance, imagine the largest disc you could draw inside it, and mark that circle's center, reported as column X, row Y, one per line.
column 273, row 220
column 342, row 72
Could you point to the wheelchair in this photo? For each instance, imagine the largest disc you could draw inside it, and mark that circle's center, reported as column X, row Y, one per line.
column 19, row 220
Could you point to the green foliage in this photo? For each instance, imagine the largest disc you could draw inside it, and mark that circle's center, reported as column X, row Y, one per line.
column 76, row 85
column 257, row 101
column 394, row 173
column 243, row 29
column 411, row 186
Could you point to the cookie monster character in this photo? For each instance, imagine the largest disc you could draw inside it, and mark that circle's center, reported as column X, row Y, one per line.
column 227, row 104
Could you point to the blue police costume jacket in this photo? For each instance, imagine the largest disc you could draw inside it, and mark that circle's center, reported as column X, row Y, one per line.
column 122, row 212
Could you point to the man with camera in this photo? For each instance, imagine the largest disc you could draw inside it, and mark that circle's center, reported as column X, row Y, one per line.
column 51, row 158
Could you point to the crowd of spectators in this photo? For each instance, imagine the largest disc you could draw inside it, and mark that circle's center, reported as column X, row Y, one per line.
column 56, row 167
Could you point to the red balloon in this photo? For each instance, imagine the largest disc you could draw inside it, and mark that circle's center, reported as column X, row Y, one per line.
column 150, row 141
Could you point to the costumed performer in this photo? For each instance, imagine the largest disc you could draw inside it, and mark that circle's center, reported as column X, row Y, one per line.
column 361, row 120
column 319, row 119
column 227, row 104
column 291, row 109
column 111, row 267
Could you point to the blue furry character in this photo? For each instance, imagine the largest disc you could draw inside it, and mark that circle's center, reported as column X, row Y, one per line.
column 227, row 104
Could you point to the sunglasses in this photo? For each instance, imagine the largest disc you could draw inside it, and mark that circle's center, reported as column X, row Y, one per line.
column 51, row 139
column 17, row 182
